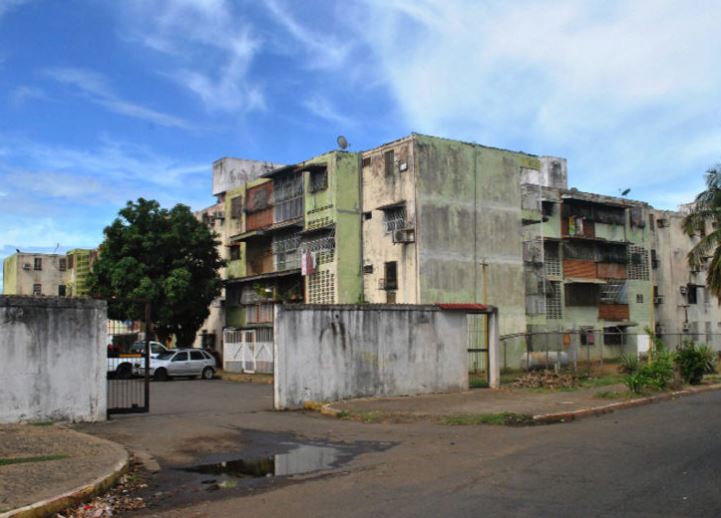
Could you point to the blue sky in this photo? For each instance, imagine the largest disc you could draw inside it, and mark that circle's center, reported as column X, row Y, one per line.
column 102, row 102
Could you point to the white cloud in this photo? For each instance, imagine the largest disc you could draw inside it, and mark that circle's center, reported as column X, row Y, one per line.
column 322, row 108
column 24, row 93
column 627, row 91
column 96, row 88
column 207, row 48
column 325, row 50
column 7, row 5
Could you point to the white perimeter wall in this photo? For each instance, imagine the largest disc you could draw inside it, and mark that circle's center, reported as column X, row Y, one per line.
column 332, row 352
column 53, row 359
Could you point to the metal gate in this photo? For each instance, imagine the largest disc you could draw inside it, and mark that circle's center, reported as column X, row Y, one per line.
column 478, row 372
column 128, row 381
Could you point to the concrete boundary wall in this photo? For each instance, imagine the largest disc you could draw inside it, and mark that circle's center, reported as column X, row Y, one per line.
column 54, row 359
column 332, row 352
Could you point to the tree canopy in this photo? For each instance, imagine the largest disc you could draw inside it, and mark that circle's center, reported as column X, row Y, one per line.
column 707, row 209
column 165, row 256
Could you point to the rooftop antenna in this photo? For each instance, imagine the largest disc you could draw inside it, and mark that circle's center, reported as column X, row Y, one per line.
column 342, row 142
column 625, row 191
column 56, row 248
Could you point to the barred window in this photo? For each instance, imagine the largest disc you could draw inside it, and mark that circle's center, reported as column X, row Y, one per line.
column 394, row 218
column 389, row 161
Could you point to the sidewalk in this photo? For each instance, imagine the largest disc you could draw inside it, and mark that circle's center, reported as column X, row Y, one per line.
column 542, row 406
column 53, row 466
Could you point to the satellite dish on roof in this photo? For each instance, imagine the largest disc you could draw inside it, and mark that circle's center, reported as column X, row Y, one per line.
column 625, row 192
column 342, row 142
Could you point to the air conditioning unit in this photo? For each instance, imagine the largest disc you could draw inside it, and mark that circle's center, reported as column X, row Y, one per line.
column 404, row 235
column 658, row 300
column 685, row 327
column 27, row 266
column 683, row 290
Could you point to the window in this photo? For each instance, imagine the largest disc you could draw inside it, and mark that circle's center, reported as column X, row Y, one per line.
column 235, row 252
column 639, row 298
column 196, row 355
column 587, row 335
column 70, row 262
column 38, row 263
column 691, row 294
column 391, row 277
column 389, row 161
column 367, row 268
column 614, row 336
column 180, row 357
column 236, row 207
column 318, row 180
column 61, row 290
column 394, row 218
column 37, row 290
column 366, row 162
column 547, row 208
column 582, row 294
column 62, row 264
column 367, row 215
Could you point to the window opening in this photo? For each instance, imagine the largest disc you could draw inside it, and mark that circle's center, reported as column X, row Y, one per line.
column 389, row 161
column 235, row 252
column 61, row 290
column 394, row 218
column 391, row 276
column 38, row 263
column 62, row 264
column 318, row 180
column 37, row 289
column 691, row 294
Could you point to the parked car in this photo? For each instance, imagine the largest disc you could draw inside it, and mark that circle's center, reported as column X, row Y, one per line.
column 181, row 362
column 156, row 348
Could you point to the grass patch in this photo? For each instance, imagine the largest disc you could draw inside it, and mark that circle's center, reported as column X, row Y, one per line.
column 37, row 458
column 370, row 417
column 602, row 381
column 610, row 394
column 42, row 423
column 343, row 414
column 502, row 418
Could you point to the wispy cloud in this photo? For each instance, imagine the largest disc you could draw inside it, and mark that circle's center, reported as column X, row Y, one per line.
column 95, row 87
column 322, row 108
column 324, row 49
column 24, row 93
column 7, row 5
column 626, row 90
column 208, row 48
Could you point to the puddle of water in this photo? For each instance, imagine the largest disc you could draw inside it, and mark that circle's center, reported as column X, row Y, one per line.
column 302, row 458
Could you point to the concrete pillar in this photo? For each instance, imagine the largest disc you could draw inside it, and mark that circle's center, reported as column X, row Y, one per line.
column 494, row 351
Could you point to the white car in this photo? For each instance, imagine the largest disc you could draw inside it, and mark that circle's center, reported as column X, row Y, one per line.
column 182, row 362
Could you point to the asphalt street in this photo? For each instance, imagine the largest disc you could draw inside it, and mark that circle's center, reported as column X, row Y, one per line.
column 658, row 460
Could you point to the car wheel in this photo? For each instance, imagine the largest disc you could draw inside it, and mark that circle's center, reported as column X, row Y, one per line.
column 208, row 373
column 161, row 375
column 124, row 371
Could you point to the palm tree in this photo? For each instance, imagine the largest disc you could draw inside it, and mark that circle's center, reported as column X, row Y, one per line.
column 707, row 208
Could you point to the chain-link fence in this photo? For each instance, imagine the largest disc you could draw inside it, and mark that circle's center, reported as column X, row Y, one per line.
column 585, row 350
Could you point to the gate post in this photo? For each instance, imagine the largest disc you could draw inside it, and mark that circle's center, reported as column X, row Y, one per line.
column 494, row 370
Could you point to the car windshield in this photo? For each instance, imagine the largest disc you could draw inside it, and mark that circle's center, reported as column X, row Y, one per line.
column 165, row 356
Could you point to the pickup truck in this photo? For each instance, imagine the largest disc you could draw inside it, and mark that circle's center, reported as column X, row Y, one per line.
column 126, row 365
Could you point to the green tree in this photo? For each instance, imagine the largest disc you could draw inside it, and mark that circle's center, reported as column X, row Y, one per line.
column 707, row 209
column 165, row 256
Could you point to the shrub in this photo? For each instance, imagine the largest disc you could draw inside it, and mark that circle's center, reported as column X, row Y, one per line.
column 694, row 361
column 628, row 364
column 657, row 373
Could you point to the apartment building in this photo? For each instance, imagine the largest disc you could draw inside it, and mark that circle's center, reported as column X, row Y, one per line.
column 58, row 275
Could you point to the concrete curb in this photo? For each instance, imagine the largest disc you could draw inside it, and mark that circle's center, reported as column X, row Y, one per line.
column 74, row 496
column 564, row 417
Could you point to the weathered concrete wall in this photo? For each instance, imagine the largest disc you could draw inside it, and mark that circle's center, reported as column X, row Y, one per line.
column 229, row 172
column 53, row 359
column 469, row 226
column 332, row 352
column 382, row 189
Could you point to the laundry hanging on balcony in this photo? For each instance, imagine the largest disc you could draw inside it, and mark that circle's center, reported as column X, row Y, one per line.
column 308, row 263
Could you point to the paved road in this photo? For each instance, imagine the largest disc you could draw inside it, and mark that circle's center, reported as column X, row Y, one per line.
column 659, row 460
